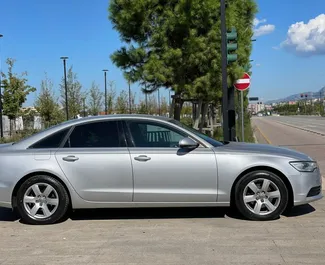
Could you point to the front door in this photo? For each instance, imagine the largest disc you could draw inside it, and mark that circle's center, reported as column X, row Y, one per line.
column 165, row 173
column 97, row 162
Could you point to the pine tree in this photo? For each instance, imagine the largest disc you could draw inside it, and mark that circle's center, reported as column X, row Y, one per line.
column 177, row 44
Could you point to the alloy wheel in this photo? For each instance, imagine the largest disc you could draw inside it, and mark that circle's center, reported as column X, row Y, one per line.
column 41, row 200
column 261, row 196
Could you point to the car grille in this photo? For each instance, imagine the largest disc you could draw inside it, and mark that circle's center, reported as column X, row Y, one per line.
column 314, row 191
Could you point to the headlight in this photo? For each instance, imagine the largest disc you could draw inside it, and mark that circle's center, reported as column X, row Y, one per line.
column 306, row 166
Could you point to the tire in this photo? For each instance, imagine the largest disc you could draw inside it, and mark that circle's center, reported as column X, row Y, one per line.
column 262, row 203
column 42, row 200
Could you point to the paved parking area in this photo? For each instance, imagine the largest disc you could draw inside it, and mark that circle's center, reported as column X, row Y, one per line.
column 175, row 236
column 166, row 236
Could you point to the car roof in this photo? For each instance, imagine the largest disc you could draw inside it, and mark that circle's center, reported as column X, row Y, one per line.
column 24, row 143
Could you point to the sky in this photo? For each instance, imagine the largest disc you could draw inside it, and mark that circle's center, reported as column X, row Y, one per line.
column 288, row 54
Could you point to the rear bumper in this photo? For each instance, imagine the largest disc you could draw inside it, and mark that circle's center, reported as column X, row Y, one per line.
column 308, row 188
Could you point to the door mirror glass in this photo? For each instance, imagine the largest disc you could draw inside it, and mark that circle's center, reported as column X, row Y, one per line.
column 188, row 143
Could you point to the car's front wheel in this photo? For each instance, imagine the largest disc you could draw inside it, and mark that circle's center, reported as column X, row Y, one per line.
column 261, row 196
column 42, row 200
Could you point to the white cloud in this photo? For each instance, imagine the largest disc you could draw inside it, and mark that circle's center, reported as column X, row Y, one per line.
column 306, row 39
column 276, row 48
column 263, row 29
column 258, row 65
column 256, row 21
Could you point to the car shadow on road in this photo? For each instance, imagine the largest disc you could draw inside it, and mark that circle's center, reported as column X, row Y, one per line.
column 300, row 210
column 7, row 215
column 153, row 213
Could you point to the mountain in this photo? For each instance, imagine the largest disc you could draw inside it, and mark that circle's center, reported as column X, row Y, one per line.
column 295, row 97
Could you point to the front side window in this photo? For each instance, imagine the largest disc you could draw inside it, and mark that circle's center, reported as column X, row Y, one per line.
column 150, row 134
column 205, row 137
column 95, row 135
column 52, row 141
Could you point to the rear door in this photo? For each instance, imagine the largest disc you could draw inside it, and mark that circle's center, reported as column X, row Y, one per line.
column 97, row 162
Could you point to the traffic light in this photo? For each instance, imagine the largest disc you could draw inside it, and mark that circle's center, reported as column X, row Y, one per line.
column 232, row 46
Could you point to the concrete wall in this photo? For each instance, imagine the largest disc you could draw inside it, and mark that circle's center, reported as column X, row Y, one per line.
column 37, row 124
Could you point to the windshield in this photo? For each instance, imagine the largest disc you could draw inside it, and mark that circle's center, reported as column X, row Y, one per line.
column 205, row 137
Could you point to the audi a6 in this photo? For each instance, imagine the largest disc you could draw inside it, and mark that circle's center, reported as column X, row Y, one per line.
column 132, row 161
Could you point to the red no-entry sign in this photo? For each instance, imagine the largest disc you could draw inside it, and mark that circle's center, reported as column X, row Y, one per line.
column 243, row 83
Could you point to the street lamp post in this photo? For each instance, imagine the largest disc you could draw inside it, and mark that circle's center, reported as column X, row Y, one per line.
column 64, row 58
column 1, row 125
column 105, row 75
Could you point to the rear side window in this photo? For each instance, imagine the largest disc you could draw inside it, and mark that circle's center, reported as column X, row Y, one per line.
column 96, row 135
column 52, row 141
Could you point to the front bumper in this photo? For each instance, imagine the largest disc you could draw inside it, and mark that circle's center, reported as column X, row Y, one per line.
column 307, row 187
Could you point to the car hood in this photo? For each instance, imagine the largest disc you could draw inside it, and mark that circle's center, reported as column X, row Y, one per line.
column 263, row 149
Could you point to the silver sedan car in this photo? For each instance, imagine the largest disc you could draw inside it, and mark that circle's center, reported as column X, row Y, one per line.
column 146, row 161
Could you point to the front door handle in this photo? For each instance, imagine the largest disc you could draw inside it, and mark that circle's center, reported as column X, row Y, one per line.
column 70, row 158
column 142, row 158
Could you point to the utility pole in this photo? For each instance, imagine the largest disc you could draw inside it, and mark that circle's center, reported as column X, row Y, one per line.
column 105, row 71
column 1, row 124
column 320, row 105
column 64, row 58
column 224, row 85
column 228, row 46
column 130, row 107
column 146, row 96
column 158, row 102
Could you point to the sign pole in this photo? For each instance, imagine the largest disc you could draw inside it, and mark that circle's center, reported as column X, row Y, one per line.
column 242, row 116
column 242, row 85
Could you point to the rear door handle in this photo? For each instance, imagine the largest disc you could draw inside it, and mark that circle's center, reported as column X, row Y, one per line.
column 142, row 158
column 70, row 158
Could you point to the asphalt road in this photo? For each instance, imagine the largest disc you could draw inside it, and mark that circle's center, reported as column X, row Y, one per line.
column 166, row 236
column 294, row 132
column 174, row 236
column 313, row 123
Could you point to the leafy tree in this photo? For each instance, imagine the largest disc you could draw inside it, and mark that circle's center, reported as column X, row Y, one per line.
column 142, row 108
column 152, row 104
column 111, row 94
column 74, row 94
column 176, row 44
column 15, row 92
column 164, row 108
column 95, row 100
column 122, row 102
column 47, row 105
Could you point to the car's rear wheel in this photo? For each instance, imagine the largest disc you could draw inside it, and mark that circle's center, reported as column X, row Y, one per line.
column 42, row 200
column 261, row 196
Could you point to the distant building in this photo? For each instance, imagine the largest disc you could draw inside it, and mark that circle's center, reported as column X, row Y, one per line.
column 256, row 107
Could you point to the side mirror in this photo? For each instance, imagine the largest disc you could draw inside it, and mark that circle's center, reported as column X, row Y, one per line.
column 188, row 143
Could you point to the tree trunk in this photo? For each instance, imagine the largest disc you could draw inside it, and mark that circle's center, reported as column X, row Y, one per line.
column 177, row 107
column 10, row 127
column 171, row 109
column 197, row 114
column 203, row 117
column 194, row 109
